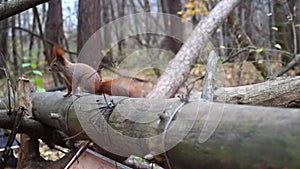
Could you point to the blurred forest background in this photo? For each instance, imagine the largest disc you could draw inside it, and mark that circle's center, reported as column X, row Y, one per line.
column 256, row 42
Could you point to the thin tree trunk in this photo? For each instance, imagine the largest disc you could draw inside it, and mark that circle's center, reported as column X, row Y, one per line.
column 14, row 47
column 31, row 41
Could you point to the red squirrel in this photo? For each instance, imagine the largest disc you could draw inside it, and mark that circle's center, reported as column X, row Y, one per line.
column 121, row 87
column 87, row 78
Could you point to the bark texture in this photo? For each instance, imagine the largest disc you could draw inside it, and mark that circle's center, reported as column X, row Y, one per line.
column 282, row 91
column 10, row 8
column 54, row 23
column 88, row 20
column 3, row 44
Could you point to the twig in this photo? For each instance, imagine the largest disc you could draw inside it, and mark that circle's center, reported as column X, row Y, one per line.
column 289, row 66
column 128, row 77
column 246, row 49
column 18, row 119
column 39, row 36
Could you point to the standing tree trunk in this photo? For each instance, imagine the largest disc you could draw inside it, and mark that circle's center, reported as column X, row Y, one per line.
column 54, row 28
column 54, row 23
column 88, row 20
column 3, row 44
column 284, row 34
column 297, row 22
column 106, row 5
column 171, row 7
column 14, row 47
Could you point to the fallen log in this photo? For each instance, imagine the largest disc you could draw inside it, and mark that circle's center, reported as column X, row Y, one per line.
column 237, row 136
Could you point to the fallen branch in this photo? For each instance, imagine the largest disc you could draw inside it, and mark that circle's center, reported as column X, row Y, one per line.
column 276, row 92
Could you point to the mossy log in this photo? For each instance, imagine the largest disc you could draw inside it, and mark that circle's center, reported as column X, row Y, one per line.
column 202, row 135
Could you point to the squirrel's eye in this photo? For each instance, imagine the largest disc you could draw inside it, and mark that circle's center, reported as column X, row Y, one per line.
column 54, row 64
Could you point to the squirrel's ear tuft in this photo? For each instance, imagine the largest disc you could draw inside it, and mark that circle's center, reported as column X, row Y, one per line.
column 58, row 53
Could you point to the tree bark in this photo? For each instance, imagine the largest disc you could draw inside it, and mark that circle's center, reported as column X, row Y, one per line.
column 297, row 21
column 88, row 20
column 3, row 44
column 282, row 91
column 179, row 68
column 10, row 8
column 54, row 23
column 54, row 31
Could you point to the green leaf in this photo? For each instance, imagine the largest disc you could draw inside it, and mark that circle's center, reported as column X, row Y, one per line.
column 38, row 82
column 33, row 65
column 25, row 64
column 37, row 72
column 259, row 50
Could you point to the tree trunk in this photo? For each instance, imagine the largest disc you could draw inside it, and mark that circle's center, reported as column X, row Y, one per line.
column 171, row 7
column 54, row 30
column 15, row 55
column 179, row 68
column 3, row 45
column 88, row 20
column 107, row 7
column 297, row 21
column 245, row 137
column 54, row 23
column 283, row 35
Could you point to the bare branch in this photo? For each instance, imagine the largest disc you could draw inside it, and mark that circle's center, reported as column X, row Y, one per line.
column 10, row 8
column 289, row 66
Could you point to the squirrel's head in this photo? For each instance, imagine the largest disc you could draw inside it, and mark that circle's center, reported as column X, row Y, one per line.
column 58, row 59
